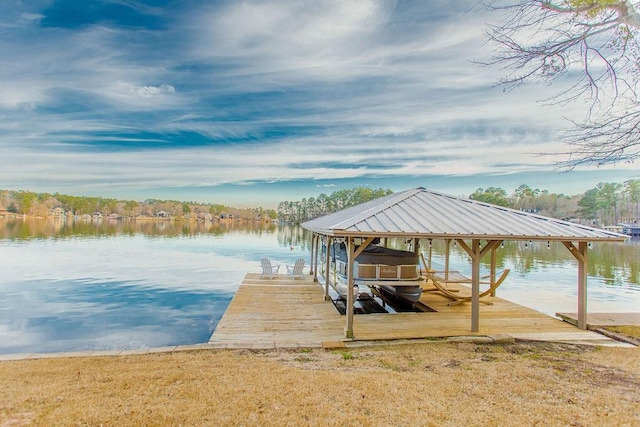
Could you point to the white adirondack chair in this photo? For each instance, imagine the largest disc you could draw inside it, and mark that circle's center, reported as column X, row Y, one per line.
column 268, row 271
column 295, row 271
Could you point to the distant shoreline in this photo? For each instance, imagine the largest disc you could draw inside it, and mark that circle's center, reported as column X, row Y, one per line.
column 87, row 217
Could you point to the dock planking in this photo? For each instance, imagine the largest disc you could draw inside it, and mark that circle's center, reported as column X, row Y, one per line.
column 597, row 320
column 282, row 312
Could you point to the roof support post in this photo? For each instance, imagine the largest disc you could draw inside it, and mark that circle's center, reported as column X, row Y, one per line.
column 475, row 285
column 580, row 254
column 492, row 278
column 476, row 252
column 348, row 330
column 314, row 256
column 327, row 266
column 447, row 243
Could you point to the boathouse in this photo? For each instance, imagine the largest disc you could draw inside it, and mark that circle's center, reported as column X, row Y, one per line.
column 479, row 228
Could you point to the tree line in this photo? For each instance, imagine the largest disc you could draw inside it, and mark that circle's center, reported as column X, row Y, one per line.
column 42, row 204
column 313, row 207
column 606, row 204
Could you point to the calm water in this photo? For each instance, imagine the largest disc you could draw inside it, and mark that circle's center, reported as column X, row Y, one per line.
column 111, row 285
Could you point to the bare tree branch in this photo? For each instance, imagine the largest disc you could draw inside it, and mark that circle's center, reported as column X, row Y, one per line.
column 550, row 40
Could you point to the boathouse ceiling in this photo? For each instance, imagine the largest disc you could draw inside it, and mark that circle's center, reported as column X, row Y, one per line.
column 422, row 213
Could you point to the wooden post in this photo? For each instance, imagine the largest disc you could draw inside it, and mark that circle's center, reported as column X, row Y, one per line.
column 314, row 255
column 317, row 259
column 475, row 285
column 327, row 266
column 580, row 254
column 350, row 260
column 582, row 285
column 315, row 264
column 447, row 243
column 492, row 272
column 476, row 253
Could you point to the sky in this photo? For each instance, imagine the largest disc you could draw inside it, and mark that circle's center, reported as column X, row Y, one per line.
column 251, row 102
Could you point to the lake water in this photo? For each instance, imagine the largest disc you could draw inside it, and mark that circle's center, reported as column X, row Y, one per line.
column 101, row 285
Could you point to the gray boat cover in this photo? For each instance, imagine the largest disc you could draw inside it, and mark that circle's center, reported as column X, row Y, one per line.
column 374, row 254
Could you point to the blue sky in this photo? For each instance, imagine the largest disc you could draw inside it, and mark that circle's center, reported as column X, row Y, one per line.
column 249, row 103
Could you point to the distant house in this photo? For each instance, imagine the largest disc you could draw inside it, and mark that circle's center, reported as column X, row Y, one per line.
column 57, row 212
column 163, row 214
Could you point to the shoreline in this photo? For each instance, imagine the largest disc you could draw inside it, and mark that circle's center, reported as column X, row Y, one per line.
column 622, row 342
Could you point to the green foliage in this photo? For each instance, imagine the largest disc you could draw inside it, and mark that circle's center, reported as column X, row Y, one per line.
column 217, row 210
column 25, row 200
column 310, row 208
column 494, row 195
column 346, row 355
column 632, row 190
column 609, row 203
column 588, row 204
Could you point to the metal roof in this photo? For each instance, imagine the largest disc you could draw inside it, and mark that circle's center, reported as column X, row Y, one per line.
column 427, row 214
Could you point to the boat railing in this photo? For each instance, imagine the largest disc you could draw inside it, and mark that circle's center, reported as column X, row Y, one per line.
column 379, row 271
column 386, row 272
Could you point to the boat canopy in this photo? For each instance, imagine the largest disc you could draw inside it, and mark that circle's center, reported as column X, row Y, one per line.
column 374, row 254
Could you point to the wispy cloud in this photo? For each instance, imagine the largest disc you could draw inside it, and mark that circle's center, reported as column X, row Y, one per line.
column 204, row 94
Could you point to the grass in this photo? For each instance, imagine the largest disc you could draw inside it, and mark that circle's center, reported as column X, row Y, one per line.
column 346, row 354
column 429, row 384
column 629, row 331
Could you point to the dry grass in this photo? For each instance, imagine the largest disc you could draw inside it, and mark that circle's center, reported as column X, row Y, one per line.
column 423, row 384
column 629, row 331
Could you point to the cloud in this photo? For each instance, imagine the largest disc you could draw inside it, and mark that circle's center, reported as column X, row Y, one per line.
column 206, row 94
column 291, row 39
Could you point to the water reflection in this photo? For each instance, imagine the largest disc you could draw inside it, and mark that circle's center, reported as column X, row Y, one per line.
column 29, row 228
column 67, row 315
column 614, row 262
column 110, row 285
column 101, row 284
column 544, row 275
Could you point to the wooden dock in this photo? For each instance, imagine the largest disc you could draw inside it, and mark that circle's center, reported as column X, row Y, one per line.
column 287, row 313
column 599, row 320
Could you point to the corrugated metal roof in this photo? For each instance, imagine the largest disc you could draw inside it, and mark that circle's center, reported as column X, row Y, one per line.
column 427, row 214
